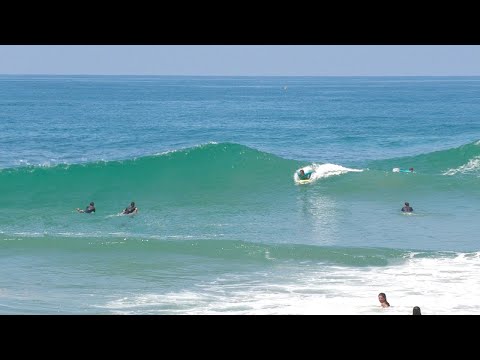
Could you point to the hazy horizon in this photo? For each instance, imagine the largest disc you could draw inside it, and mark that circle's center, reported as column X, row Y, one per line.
column 269, row 76
column 241, row 60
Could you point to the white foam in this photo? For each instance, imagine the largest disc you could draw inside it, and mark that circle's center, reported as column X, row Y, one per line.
column 446, row 285
column 45, row 164
column 325, row 170
column 29, row 234
column 472, row 165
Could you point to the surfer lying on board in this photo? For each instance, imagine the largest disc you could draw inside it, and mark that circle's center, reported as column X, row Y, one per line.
column 403, row 170
column 89, row 209
column 132, row 209
column 304, row 176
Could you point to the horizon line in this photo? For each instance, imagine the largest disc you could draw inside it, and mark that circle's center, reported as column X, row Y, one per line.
column 211, row 75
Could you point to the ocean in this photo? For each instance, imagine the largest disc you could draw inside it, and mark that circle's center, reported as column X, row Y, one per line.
column 222, row 227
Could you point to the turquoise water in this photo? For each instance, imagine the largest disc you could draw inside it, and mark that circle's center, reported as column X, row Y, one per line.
column 223, row 228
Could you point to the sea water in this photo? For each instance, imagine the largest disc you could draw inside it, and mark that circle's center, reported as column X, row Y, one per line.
column 222, row 226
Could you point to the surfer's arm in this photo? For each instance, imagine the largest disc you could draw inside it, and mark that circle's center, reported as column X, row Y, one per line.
column 308, row 175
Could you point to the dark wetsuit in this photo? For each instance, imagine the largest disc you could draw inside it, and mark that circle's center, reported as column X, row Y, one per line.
column 90, row 209
column 407, row 209
column 129, row 210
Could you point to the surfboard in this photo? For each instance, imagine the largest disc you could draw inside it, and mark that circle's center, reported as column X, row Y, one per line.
column 129, row 215
column 122, row 214
column 401, row 170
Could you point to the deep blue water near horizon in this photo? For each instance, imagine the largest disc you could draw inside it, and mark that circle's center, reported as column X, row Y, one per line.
column 223, row 228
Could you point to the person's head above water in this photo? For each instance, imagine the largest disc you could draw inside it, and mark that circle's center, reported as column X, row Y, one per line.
column 382, row 298
column 132, row 204
column 92, row 204
column 416, row 311
column 411, row 169
column 407, row 203
column 301, row 172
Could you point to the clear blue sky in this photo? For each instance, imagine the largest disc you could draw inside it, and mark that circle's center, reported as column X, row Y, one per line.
column 234, row 60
